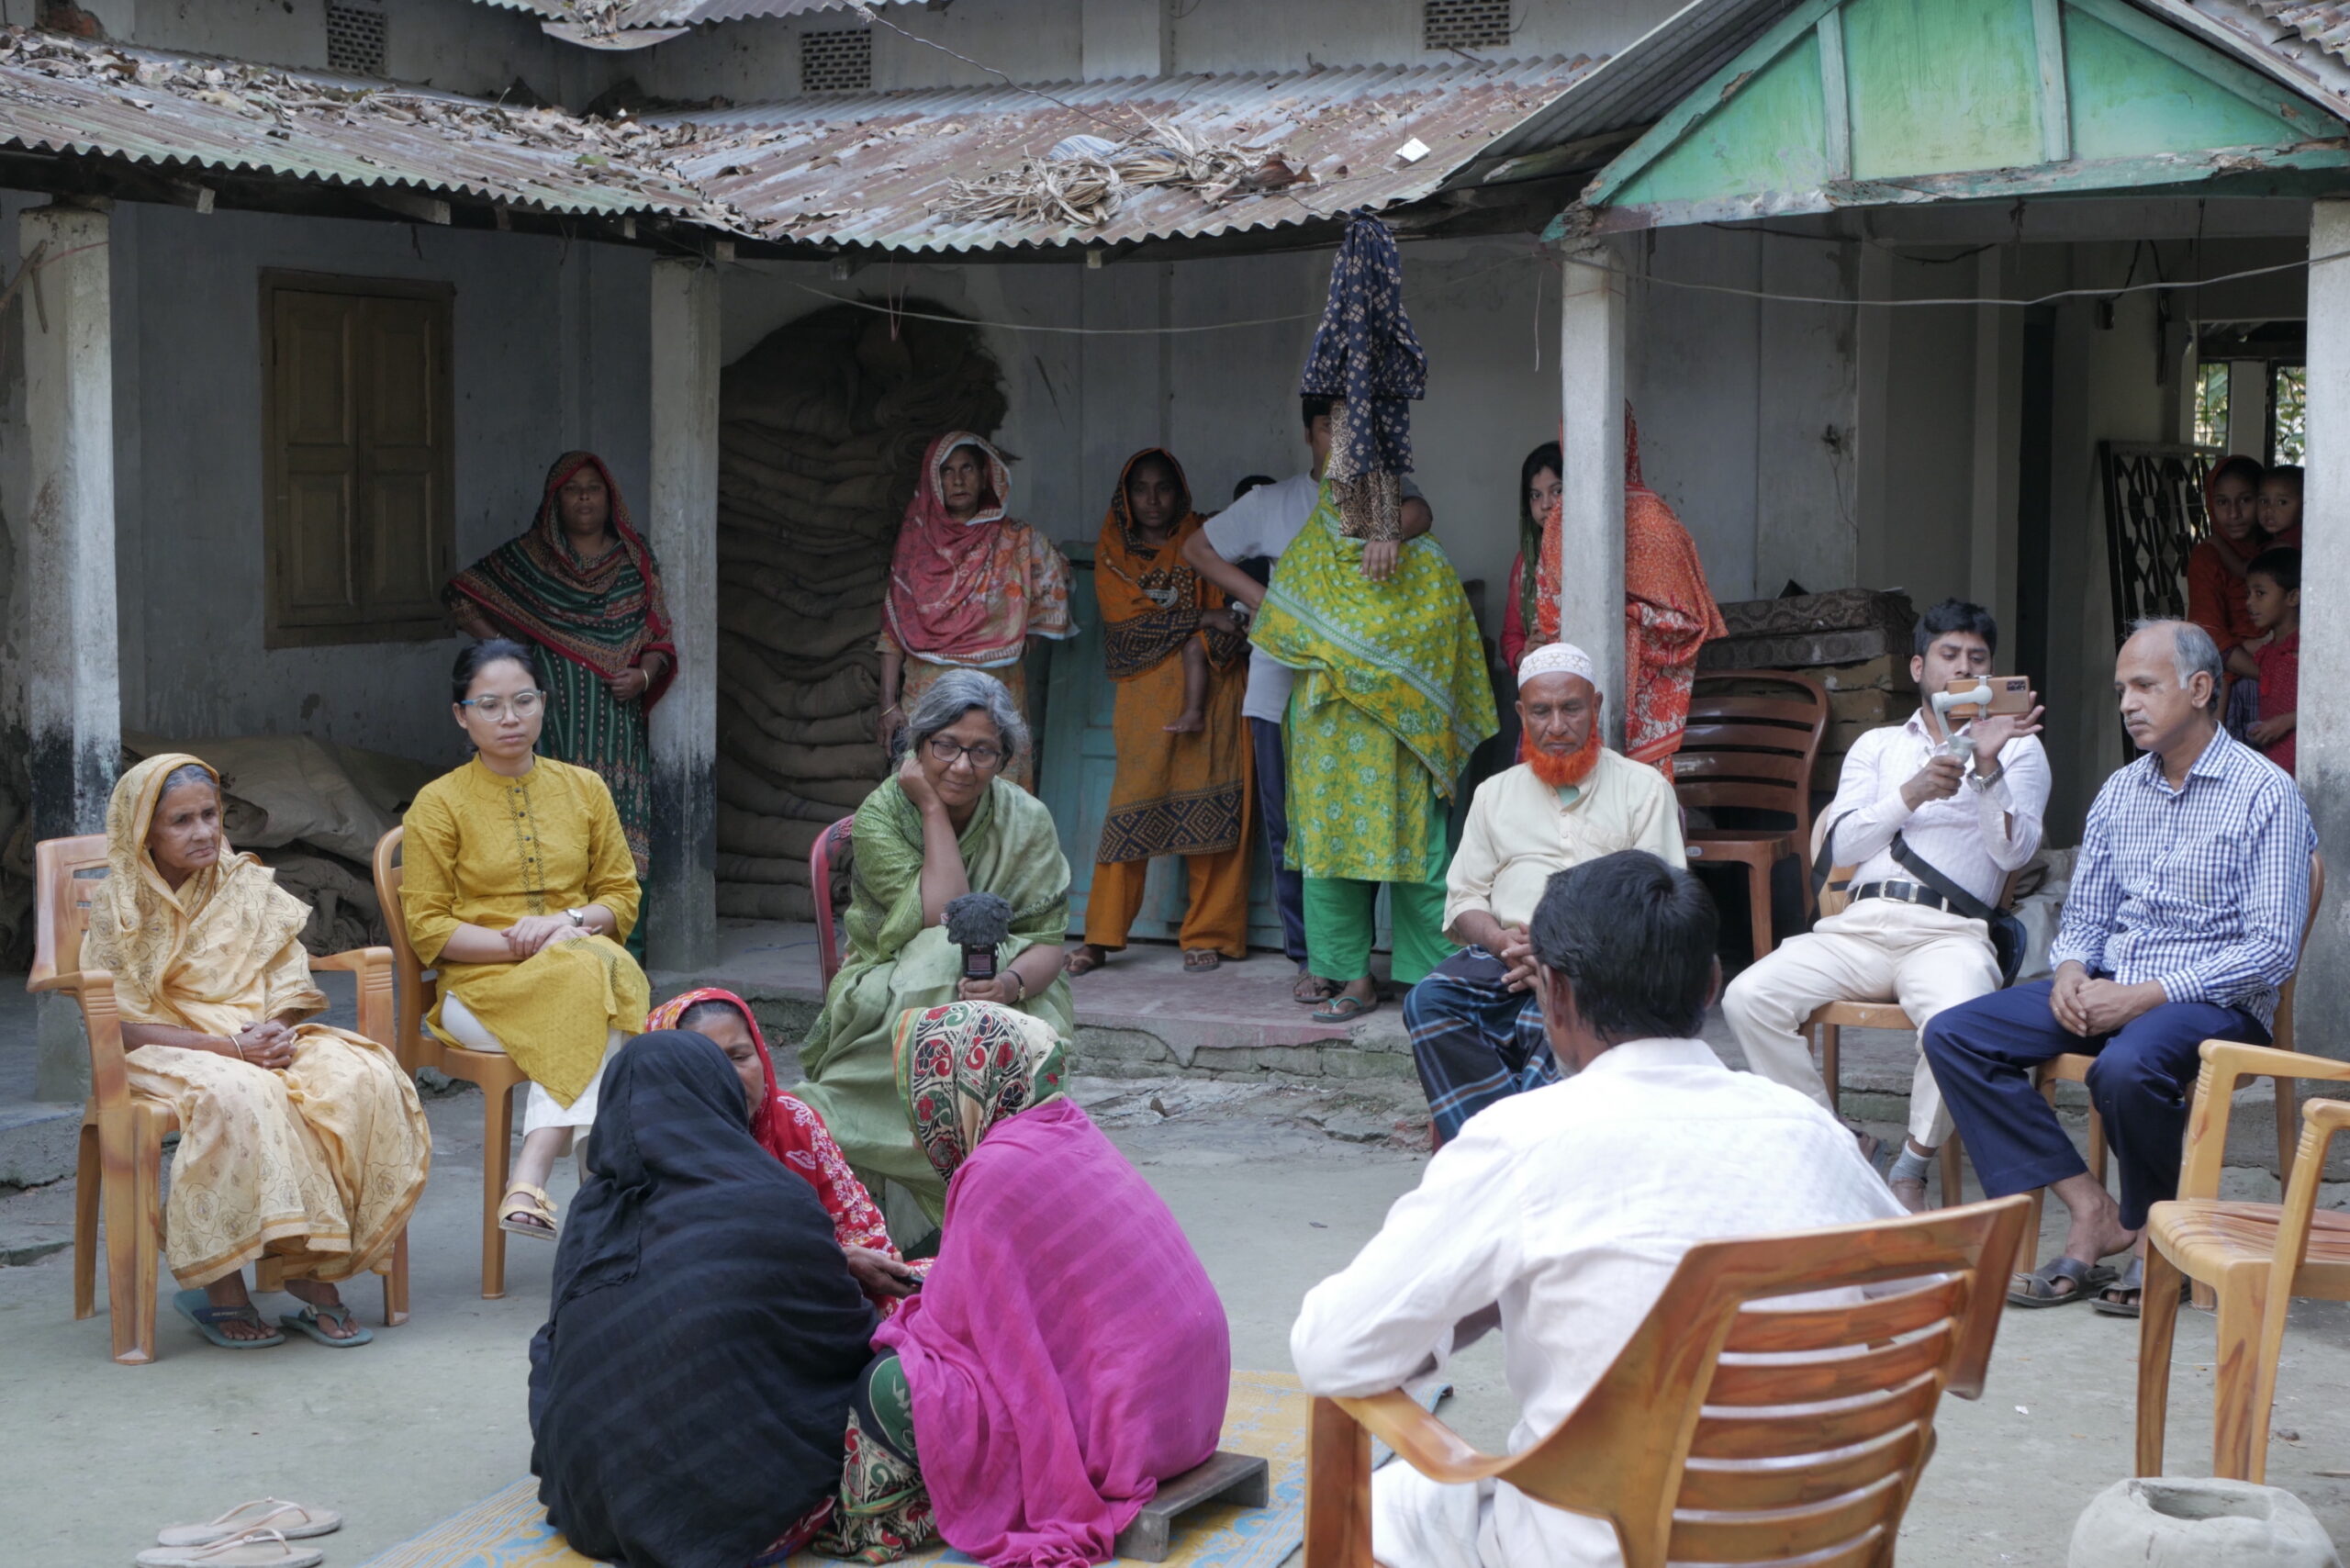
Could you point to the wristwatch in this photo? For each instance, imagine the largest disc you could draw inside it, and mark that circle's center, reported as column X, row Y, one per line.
column 577, row 917
column 1985, row 781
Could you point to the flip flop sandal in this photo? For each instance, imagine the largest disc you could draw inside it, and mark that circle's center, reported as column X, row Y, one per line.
column 306, row 1322
column 197, row 1309
column 1344, row 1009
column 534, row 1204
column 2132, row 1278
column 1078, row 963
column 1322, row 990
column 254, row 1549
column 292, row 1520
column 1201, row 960
column 2086, row 1280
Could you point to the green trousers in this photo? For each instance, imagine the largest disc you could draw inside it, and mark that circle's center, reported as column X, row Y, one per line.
column 1341, row 917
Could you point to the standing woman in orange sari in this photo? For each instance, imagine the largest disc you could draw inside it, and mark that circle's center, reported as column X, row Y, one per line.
column 1183, row 781
column 968, row 585
column 1669, row 612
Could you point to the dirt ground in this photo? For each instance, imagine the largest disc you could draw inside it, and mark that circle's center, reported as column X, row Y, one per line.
column 1277, row 1188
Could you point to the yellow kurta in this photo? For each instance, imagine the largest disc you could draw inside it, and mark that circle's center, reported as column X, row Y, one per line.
column 486, row 850
column 319, row 1162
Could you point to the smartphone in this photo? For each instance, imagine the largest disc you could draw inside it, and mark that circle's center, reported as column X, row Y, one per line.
column 2009, row 694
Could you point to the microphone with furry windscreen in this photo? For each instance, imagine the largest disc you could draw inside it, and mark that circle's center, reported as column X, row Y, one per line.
column 979, row 923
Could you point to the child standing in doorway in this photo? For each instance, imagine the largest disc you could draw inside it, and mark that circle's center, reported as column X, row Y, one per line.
column 2280, row 507
column 2273, row 593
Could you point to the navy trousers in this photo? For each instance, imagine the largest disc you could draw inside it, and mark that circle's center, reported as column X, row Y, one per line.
column 1473, row 1039
column 1272, row 809
column 1982, row 1053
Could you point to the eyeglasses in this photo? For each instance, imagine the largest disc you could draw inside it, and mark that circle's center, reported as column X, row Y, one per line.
column 524, row 704
column 985, row 759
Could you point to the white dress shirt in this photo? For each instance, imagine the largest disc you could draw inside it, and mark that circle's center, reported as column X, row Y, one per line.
column 1975, row 837
column 1571, row 1207
column 1264, row 522
column 1521, row 830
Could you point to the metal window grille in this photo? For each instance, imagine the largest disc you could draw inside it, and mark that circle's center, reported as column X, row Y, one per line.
column 355, row 37
column 1464, row 24
column 838, row 61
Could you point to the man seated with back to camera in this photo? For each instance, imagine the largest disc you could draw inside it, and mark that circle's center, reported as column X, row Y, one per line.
column 1906, row 796
column 2183, row 920
column 1558, row 1214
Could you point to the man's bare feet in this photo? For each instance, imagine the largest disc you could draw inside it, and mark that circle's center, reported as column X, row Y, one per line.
column 317, row 1293
column 2096, row 1230
column 228, row 1291
column 1187, row 724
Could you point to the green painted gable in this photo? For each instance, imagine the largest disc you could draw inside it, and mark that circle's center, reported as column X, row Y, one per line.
column 1938, row 86
column 1847, row 101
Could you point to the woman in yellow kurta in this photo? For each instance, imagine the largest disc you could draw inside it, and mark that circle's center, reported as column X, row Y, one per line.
column 518, row 887
column 296, row 1140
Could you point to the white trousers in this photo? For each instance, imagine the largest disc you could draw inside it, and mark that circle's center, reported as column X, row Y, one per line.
column 1419, row 1523
column 539, row 1108
column 1877, row 950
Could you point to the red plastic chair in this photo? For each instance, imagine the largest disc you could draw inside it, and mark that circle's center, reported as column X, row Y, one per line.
column 820, row 881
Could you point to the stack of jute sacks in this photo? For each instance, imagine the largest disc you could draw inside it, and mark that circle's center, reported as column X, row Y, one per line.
column 1855, row 641
column 823, row 427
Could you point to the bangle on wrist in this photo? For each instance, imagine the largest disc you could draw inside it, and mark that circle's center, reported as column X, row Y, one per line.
column 1015, row 974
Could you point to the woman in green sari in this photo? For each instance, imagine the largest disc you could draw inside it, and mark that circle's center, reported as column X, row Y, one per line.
column 947, row 824
column 582, row 590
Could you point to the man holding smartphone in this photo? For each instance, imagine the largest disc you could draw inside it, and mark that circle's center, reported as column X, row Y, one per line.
column 1913, row 809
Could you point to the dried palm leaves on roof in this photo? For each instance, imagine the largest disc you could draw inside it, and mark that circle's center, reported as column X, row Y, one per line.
column 1083, row 180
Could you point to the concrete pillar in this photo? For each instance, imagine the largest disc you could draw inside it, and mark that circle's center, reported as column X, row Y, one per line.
column 683, row 531
column 1591, row 515
column 2323, row 714
column 72, row 687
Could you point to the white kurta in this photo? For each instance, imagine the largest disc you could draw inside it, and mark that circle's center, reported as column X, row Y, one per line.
column 1571, row 1207
column 1520, row 831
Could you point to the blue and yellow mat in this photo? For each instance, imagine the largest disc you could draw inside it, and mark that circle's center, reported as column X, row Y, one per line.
column 1265, row 1417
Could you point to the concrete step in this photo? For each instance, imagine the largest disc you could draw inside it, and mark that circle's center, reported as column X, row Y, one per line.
column 37, row 1141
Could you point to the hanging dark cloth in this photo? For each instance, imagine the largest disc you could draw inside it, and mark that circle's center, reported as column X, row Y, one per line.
column 1366, row 355
column 690, row 1389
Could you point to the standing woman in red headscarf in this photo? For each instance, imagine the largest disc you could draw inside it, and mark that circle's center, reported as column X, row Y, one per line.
column 1669, row 612
column 968, row 584
column 583, row 591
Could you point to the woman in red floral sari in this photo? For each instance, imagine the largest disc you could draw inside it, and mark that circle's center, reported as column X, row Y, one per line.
column 786, row 1127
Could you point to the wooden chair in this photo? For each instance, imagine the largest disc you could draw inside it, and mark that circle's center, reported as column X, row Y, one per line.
column 2075, row 1068
column 1754, row 751
column 1827, row 1023
column 121, row 1150
column 1696, row 1447
column 493, row 1073
column 2256, row 1256
column 829, row 843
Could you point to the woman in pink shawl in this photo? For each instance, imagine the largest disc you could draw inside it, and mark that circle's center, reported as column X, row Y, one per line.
column 968, row 585
column 1068, row 1353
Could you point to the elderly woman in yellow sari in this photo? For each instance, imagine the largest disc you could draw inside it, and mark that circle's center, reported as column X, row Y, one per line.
column 296, row 1140
column 518, row 887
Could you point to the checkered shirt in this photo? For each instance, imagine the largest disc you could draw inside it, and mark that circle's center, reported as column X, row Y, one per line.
column 2203, row 888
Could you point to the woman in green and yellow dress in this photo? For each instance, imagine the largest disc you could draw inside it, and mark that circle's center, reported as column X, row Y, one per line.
column 583, row 591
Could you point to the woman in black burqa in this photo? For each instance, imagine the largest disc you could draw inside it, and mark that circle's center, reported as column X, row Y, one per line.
column 689, row 1392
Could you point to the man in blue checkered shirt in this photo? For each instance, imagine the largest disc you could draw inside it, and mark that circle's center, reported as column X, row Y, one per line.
column 2185, row 916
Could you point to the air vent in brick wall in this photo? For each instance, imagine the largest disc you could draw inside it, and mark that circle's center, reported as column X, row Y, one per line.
column 840, row 61
column 355, row 37
column 1464, row 24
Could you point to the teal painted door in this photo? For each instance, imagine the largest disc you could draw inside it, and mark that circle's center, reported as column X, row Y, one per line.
column 1079, row 759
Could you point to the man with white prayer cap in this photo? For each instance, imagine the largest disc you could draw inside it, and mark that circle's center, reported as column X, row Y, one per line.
column 1476, row 1029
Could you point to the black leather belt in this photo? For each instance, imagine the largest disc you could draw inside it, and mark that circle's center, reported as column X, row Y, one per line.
column 1902, row 892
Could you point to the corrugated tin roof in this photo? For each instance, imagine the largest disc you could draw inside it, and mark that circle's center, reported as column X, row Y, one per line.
column 58, row 94
column 867, row 169
column 639, row 24
column 2323, row 23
